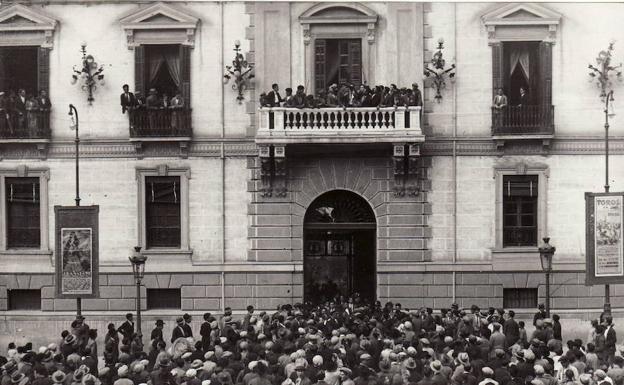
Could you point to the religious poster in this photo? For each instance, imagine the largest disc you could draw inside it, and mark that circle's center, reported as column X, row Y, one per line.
column 77, row 261
column 76, row 251
column 605, row 247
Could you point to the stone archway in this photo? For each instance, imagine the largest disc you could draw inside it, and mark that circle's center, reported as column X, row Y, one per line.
column 339, row 247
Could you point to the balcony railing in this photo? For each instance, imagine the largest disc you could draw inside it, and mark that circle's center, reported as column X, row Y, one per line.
column 30, row 125
column 523, row 120
column 364, row 124
column 158, row 123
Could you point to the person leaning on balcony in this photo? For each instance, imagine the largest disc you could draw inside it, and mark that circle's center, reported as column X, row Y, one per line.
column 273, row 97
column 499, row 104
column 332, row 97
column 416, row 96
column 288, row 100
column 19, row 105
column 176, row 104
column 44, row 101
column 31, row 115
column 127, row 99
column 300, row 97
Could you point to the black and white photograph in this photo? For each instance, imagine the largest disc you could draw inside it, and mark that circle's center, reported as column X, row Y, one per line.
column 205, row 192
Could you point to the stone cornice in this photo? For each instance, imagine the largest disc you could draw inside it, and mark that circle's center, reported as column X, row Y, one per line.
column 242, row 147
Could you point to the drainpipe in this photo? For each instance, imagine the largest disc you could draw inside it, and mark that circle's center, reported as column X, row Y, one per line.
column 454, row 158
column 222, row 162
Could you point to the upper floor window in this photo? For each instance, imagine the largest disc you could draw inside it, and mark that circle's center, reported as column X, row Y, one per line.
column 24, row 208
column 23, row 212
column 337, row 61
column 26, row 37
column 520, row 210
column 162, row 211
column 521, row 37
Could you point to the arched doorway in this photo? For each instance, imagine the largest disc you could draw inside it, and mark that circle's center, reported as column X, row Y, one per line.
column 339, row 247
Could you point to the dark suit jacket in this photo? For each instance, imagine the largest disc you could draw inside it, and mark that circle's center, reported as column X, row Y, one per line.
column 187, row 330
column 126, row 329
column 511, row 331
column 19, row 106
column 178, row 332
column 610, row 341
column 270, row 98
column 44, row 103
column 127, row 101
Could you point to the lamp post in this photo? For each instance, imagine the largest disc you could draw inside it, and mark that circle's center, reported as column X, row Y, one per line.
column 546, row 252
column 73, row 112
column 603, row 73
column 138, row 269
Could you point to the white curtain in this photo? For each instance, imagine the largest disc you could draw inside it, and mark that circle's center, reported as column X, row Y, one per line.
column 172, row 58
column 154, row 62
column 520, row 57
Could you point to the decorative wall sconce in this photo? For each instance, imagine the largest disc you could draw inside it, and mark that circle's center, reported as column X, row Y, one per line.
column 438, row 72
column 603, row 72
column 239, row 71
column 90, row 75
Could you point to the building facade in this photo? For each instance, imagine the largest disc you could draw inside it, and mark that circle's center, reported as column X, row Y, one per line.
column 237, row 204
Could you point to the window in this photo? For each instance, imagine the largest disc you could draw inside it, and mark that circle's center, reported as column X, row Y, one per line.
column 337, row 61
column 23, row 212
column 519, row 298
column 164, row 299
column 18, row 69
column 162, row 211
column 24, row 299
column 24, row 208
column 520, row 210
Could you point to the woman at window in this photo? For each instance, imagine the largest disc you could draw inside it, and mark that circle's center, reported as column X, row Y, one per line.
column 31, row 115
column 177, row 115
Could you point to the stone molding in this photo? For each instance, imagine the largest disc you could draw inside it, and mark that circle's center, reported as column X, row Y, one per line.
column 39, row 31
column 208, row 148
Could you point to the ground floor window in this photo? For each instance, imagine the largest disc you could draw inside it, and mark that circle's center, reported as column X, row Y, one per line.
column 164, row 299
column 520, row 298
column 24, row 299
column 23, row 212
column 520, row 194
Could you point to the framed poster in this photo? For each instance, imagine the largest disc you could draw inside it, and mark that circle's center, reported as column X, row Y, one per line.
column 604, row 217
column 76, row 251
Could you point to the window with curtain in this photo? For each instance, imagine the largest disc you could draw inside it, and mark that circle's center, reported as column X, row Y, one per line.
column 522, row 70
column 163, row 68
column 520, row 210
column 162, row 211
column 23, row 212
column 520, row 298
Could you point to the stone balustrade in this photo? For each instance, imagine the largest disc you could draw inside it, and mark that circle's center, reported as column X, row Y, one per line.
column 339, row 125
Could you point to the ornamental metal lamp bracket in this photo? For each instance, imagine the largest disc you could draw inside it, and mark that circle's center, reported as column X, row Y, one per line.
column 437, row 71
column 90, row 75
column 240, row 72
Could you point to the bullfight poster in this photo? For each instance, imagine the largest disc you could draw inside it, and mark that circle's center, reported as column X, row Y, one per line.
column 76, row 251
column 604, row 244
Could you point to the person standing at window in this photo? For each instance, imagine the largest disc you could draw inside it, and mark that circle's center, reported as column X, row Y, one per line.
column 127, row 99
column 32, row 107
column 176, row 105
column 20, row 108
column 524, row 97
column 499, row 105
column 273, row 97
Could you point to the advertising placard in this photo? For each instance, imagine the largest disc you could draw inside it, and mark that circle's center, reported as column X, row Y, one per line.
column 76, row 251
column 605, row 247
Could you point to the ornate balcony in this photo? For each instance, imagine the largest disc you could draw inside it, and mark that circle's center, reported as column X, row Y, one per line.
column 523, row 120
column 280, row 125
column 160, row 125
column 33, row 125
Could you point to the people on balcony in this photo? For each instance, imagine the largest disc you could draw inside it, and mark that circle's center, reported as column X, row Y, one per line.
column 23, row 115
column 127, row 99
column 32, row 107
column 523, row 100
column 499, row 104
column 345, row 95
column 44, row 101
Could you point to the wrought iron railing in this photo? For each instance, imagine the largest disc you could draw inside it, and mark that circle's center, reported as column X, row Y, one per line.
column 29, row 125
column 155, row 123
column 521, row 120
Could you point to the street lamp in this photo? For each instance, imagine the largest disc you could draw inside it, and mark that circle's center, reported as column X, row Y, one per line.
column 138, row 269
column 75, row 125
column 546, row 256
column 604, row 73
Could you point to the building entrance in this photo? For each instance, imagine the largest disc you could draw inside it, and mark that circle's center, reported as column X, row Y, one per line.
column 339, row 248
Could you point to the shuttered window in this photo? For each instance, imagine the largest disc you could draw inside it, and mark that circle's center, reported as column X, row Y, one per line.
column 23, row 212
column 520, row 210
column 162, row 211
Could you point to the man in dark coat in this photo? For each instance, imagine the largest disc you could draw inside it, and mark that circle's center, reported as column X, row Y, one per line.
column 610, row 339
column 188, row 331
column 179, row 330
column 541, row 313
column 157, row 333
column 127, row 328
column 43, row 100
column 127, row 99
column 511, row 329
column 273, row 98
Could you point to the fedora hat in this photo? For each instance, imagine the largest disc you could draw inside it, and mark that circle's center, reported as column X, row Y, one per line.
column 436, row 366
column 58, row 377
column 17, row 377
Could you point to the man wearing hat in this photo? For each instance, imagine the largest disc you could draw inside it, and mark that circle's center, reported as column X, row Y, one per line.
column 157, row 334
column 438, row 378
column 161, row 375
column 541, row 313
column 488, row 376
column 205, row 330
column 178, row 331
column 188, row 331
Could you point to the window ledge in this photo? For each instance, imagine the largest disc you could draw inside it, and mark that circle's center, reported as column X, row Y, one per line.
column 512, row 252
column 516, row 258
column 34, row 252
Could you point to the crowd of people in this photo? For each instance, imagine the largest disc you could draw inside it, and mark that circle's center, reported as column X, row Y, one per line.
column 345, row 95
column 330, row 344
column 166, row 112
column 23, row 113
